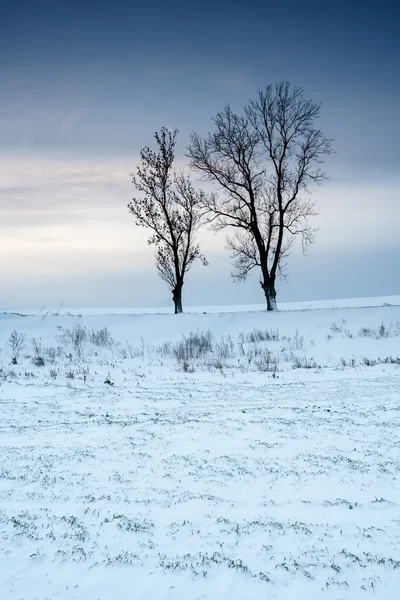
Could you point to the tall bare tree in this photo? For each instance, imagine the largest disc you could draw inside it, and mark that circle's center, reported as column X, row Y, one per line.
column 169, row 207
column 263, row 164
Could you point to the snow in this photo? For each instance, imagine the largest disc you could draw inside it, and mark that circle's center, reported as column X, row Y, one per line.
column 267, row 467
column 284, row 306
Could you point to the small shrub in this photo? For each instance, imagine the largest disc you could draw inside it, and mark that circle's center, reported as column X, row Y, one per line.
column 224, row 349
column 52, row 354
column 267, row 362
column 38, row 361
column 350, row 362
column 260, row 335
column 367, row 332
column 297, row 343
column 36, row 346
column 7, row 374
column 78, row 339
column 125, row 351
column 368, row 362
column 77, row 336
column 17, row 342
column 194, row 347
column 187, row 367
column 384, row 331
column 166, row 350
column 303, row 362
column 102, row 337
column 216, row 364
column 390, row 360
column 291, row 348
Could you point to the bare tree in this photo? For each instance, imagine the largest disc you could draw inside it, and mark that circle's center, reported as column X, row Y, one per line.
column 263, row 164
column 169, row 208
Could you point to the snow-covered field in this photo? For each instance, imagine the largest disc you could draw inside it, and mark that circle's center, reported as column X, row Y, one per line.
column 285, row 306
column 239, row 456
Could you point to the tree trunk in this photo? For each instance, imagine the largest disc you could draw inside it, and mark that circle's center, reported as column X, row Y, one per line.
column 270, row 293
column 177, row 298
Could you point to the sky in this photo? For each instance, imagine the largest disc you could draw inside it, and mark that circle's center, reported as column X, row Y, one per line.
column 83, row 87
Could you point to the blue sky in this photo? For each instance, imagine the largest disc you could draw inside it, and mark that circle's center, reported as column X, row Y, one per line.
column 85, row 84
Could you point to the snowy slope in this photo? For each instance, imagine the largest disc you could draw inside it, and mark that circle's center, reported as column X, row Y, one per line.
column 284, row 306
column 266, row 466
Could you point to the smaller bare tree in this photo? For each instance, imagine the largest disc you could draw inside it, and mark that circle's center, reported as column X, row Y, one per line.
column 17, row 342
column 169, row 207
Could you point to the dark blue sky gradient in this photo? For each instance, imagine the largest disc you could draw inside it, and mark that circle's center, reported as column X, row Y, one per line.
column 122, row 63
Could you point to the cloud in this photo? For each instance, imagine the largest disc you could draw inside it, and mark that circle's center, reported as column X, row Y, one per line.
column 64, row 221
column 357, row 215
column 39, row 191
column 40, row 172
